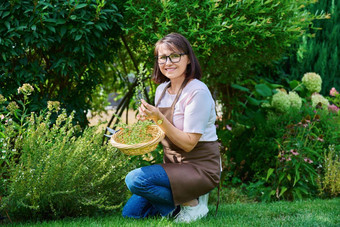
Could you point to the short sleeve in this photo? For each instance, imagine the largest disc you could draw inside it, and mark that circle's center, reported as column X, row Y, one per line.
column 197, row 112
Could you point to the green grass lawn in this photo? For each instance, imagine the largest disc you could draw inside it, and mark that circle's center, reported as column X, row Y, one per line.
column 303, row 213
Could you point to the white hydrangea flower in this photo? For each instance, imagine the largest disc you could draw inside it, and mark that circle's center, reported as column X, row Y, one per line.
column 280, row 101
column 317, row 98
column 312, row 81
column 295, row 100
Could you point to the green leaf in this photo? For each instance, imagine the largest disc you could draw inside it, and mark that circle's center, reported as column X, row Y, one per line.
column 61, row 21
column 63, row 31
column 263, row 90
column 79, row 6
column 274, row 86
column 50, row 20
column 304, row 190
column 283, row 189
column 269, row 173
column 242, row 104
column 298, row 193
column 78, row 37
column 52, row 29
column 99, row 27
column 5, row 14
column 7, row 24
column 297, row 174
column 295, row 85
column 289, row 177
column 282, row 175
column 253, row 101
column 239, row 87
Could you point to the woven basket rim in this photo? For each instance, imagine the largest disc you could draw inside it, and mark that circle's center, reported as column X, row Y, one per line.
column 159, row 136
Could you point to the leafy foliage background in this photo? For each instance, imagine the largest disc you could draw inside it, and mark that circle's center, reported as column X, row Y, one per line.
column 59, row 48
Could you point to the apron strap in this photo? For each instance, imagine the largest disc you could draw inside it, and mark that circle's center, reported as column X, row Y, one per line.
column 163, row 93
column 177, row 96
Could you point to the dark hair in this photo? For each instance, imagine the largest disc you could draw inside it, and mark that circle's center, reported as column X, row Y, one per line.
column 177, row 42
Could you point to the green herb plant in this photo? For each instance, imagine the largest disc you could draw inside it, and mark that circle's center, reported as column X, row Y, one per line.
column 50, row 168
column 330, row 182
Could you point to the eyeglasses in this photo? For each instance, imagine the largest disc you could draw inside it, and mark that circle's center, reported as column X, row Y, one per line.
column 174, row 58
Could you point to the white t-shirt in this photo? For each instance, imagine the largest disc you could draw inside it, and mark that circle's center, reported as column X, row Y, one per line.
column 194, row 111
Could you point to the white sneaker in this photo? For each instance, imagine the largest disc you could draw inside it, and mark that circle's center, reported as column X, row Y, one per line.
column 203, row 199
column 172, row 213
column 189, row 214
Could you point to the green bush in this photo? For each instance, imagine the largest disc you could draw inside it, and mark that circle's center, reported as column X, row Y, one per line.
column 59, row 48
column 54, row 170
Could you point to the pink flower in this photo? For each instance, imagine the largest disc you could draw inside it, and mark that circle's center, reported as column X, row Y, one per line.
column 2, row 116
column 308, row 160
column 333, row 108
column 229, row 127
column 289, row 159
column 320, row 139
column 294, row 152
column 333, row 92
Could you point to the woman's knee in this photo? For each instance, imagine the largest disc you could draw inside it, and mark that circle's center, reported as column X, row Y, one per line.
column 133, row 180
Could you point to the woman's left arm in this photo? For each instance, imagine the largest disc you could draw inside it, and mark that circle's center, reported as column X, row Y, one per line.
column 184, row 140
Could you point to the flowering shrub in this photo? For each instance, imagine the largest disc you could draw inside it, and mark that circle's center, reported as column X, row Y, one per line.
column 52, row 169
column 299, row 156
column 284, row 135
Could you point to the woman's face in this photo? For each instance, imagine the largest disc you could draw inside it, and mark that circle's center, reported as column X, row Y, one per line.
column 169, row 69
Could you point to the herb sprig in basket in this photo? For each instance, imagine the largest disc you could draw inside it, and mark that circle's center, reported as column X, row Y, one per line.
column 140, row 137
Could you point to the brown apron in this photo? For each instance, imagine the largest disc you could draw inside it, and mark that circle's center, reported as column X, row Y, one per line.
column 191, row 174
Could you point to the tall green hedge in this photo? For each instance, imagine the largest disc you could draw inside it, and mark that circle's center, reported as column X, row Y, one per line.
column 321, row 53
column 57, row 46
column 317, row 51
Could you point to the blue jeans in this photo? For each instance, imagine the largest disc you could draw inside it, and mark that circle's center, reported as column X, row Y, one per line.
column 151, row 193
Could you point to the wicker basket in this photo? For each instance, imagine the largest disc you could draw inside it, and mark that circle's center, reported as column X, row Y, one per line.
column 140, row 148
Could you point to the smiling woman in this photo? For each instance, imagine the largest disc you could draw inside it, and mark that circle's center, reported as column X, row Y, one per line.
column 191, row 165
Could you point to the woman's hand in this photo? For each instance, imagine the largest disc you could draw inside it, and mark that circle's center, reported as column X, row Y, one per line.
column 184, row 140
column 147, row 111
